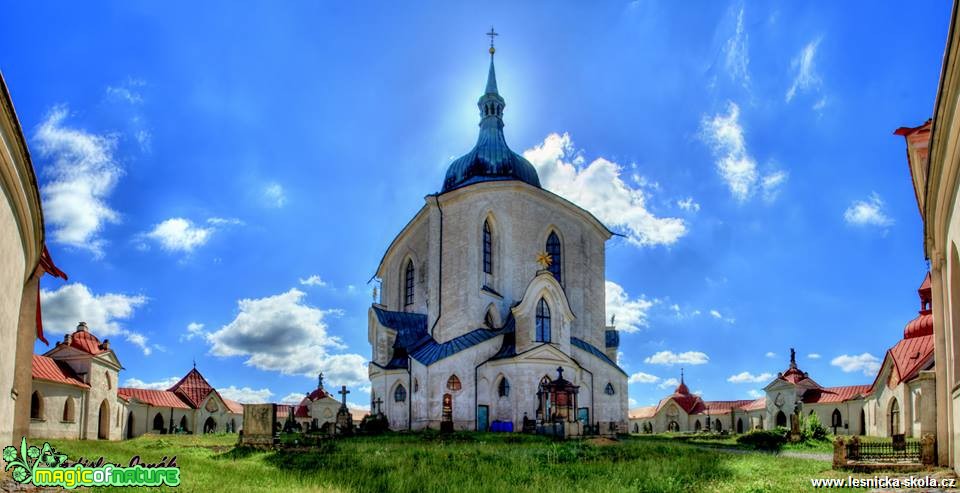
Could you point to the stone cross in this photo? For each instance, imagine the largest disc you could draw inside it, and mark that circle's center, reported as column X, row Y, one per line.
column 343, row 392
column 559, row 372
column 378, row 402
column 492, row 33
column 320, row 381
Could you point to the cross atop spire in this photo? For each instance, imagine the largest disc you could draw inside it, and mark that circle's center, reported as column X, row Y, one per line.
column 492, row 35
column 793, row 358
column 681, row 375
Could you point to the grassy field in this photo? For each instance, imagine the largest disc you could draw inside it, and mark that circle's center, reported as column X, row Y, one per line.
column 462, row 462
column 812, row 446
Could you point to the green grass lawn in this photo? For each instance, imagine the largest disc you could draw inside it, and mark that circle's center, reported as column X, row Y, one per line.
column 466, row 462
column 730, row 441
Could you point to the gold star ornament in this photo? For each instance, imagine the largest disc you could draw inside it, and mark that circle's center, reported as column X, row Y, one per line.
column 544, row 259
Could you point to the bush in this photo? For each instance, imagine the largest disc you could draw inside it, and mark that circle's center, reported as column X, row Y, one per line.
column 815, row 429
column 374, row 424
column 764, row 439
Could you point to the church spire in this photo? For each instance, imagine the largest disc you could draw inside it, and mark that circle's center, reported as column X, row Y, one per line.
column 491, row 104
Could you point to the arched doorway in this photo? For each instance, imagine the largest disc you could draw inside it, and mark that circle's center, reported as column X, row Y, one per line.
column 158, row 422
column 836, row 420
column 183, row 425
column 697, row 426
column 233, row 425
column 103, row 425
column 739, row 425
column 446, row 422
column 781, row 419
column 210, row 425
column 894, row 417
column 863, row 423
column 130, row 425
column 36, row 405
column 717, row 426
column 673, row 426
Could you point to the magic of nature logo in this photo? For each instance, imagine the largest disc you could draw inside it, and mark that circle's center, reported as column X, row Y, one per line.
column 44, row 466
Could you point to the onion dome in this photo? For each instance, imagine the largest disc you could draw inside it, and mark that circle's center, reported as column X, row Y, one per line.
column 923, row 324
column 490, row 159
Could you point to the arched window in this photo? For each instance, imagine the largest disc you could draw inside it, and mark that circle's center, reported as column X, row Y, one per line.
column 36, row 405
column 487, row 248
column 68, row 410
column 416, row 385
column 697, row 426
column 781, row 419
column 836, row 420
column 106, row 377
column 400, row 394
column 158, row 422
column 673, row 426
column 553, row 249
column 609, row 389
column 503, row 389
column 408, row 284
column 739, row 425
column 453, row 383
column 717, row 426
column 543, row 321
column 894, row 418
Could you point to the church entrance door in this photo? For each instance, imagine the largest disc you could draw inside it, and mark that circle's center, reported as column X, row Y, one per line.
column 483, row 418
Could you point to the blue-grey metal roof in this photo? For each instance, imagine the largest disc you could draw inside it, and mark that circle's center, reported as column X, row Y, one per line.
column 586, row 346
column 433, row 351
column 612, row 338
column 413, row 339
column 490, row 159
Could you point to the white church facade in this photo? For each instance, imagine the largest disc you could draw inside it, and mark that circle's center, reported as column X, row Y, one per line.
column 494, row 289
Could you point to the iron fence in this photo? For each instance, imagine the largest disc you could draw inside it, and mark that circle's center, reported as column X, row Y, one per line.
column 887, row 452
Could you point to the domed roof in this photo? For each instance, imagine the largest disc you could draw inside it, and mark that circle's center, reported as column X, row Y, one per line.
column 85, row 341
column 923, row 324
column 490, row 159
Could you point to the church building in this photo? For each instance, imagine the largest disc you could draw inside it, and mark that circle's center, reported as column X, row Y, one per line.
column 491, row 309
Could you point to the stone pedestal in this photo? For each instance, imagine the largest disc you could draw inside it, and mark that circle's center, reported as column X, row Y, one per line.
column 259, row 421
column 839, row 453
column 928, row 449
column 344, row 422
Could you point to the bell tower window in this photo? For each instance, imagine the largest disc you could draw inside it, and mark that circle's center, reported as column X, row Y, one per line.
column 543, row 321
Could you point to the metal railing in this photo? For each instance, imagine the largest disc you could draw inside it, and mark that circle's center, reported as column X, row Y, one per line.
column 887, row 451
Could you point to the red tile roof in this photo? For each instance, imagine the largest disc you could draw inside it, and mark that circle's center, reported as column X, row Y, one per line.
column 723, row 407
column 920, row 326
column 755, row 405
column 193, row 388
column 283, row 410
column 83, row 340
column 234, row 406
column 834, row 394
column 157, row 398
column 642, row 412
column 912, row 355
column 50, row 370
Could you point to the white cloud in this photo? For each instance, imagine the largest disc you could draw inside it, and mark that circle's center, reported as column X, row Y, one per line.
column 293, row 398
column 715, row 314
column 688, row 204
column 282, row 333
column 83, row 173
column 599, row 188
column 641, row 377
column 72, row 303
column 246, row 395
column 868, row 213
column 179, row 234
column 736, row 165
column 770, row 185
column 632, row 402
column 194, row 329
column 158, row 385
column 127, row 91
column 630, row 314
column 747, row 377
column 669, row 383
column 671, row 358
column 771, row 354
column 275, row 195
column 813, row 356
column 719, row 316
column 756, row 394
column 737, row 59
column 866, row 362
column 806, row 77
column 313, row 280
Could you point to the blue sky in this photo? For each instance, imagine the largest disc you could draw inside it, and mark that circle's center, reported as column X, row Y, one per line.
column 198, row 166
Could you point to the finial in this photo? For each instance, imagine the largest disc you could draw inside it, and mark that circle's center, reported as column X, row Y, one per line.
column 320, row 381
column 793, row 358
column 194, row 363
column 544, row 259
column 681, row 375
column 492, row 34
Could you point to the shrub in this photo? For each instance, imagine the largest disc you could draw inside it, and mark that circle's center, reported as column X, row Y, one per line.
column 764, row 439
column 815, row 429
column 374, row 424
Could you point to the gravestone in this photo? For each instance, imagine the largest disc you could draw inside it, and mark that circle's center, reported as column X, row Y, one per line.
column 900, row 442
column 344, row 418
column 259, row 421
